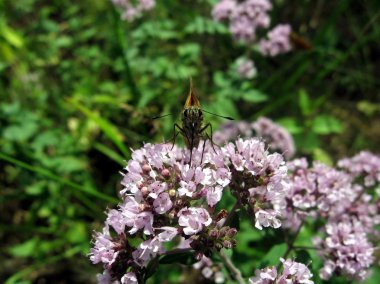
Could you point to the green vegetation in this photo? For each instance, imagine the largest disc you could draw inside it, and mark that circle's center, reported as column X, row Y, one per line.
column 79, row 86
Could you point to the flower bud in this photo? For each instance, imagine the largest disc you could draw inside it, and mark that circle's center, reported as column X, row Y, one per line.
column 144, row 191
column 214, row 234
column 227, row 244
column 165, row 173
column 223, row 231
column 172, row 192
column 146, row 168
column 231, row 233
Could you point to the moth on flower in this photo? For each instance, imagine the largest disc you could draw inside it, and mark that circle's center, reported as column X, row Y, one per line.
column 193, row 128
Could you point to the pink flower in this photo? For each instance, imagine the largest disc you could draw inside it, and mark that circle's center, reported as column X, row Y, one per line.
column 246, row 68
column 223, row 9
column 346, row 250
column 264, row 276
column 133, row 9
column 193, row 219
column 147, row 250
column 104, row 248
column 267, row 218
column 162, row 203
column 293, row 272
column 129, row 278
column 278, row 41
column 364, row 164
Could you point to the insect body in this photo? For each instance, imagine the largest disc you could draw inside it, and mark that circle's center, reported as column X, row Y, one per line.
column 192, row 128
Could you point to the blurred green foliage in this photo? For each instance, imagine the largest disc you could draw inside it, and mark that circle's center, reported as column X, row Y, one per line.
column 78, row 88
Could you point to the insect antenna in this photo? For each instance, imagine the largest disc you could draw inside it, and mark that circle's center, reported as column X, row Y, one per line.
column 226, row 117
column 161, row 116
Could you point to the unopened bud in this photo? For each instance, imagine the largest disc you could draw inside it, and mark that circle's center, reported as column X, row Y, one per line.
column 223, row 231
column 146, row 168
column 214, row 234
column 227, row 244
column 231, row 233
column 172, row 192
column 144, row 191
column 165, row 173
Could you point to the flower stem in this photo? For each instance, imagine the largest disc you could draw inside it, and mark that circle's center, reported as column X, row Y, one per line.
column 231, row 214
column 291, row 243
column 121, row 38
column 231, row 267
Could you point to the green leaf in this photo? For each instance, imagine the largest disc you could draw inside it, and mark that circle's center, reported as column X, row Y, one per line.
column 274, row 255
column 322, row 156
column 107, row 127
column 20, row 132
column 77, row 233
column 326, row 124
column 254, row 96
column 304, row 102
column 291, row 125
column 36, row 188
column 10, row 35
column 24, row 249
column 186, row 258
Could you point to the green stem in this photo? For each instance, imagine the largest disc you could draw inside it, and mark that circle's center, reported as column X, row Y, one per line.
column 231, row 267
column 48, row 174
column 122, row 41
column 291, row 243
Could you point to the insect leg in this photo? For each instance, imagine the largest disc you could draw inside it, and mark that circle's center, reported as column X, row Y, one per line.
column 203, row 149
column 209, row 138
column 180, row 130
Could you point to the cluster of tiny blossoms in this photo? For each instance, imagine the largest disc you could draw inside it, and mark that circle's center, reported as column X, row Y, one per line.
column 351, row 214
column 293, row 272
column 276, row 136
column 130, row 10
column 246, row 17
column 365, row 165
column 165, row 199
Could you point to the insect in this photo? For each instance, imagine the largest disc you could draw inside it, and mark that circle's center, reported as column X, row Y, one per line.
column 300, row 42
column 193, row 129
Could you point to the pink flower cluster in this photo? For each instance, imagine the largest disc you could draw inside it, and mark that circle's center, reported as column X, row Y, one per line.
column 351, row 214
column 133, row 9
column 277, row 137
column 346, row 250
column 258, row 180
column 277, row 42
column 246, row 17
column 317, row 190
column 365, row 164
column 246, row 68
column 164, row 199
column 293, row 272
